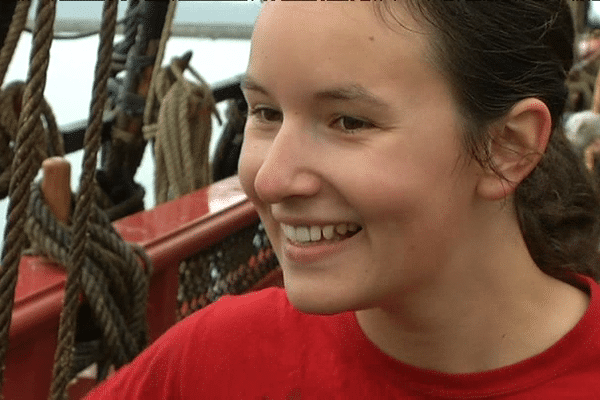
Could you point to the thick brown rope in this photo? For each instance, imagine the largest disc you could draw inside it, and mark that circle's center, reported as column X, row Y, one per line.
column 23, row 167
column 183, row 129
column 85, row 199
column 12, row 36
column 182, row 133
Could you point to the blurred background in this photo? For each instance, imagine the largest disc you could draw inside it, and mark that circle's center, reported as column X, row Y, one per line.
column 217, row 33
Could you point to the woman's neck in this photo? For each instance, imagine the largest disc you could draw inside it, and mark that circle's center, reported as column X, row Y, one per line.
column 492, row 313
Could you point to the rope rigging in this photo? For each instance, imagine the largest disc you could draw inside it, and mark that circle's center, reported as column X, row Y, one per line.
column 76, row 256
column 10, row 107
column 23, row 168
column 122, row 156
column 113, row 275
column 104, row 316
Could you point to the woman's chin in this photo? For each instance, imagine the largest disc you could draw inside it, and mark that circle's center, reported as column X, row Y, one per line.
column 318, row 298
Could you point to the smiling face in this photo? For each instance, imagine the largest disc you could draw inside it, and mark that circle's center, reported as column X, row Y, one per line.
column 352, row 155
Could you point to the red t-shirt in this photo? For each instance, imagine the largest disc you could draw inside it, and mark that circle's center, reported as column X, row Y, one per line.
column 257, row 346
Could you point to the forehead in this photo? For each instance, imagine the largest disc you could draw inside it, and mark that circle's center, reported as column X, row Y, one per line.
column 336, row 41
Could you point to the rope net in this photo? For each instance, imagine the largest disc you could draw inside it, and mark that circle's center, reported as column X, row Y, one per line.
column 112, row 274
column 232, row 266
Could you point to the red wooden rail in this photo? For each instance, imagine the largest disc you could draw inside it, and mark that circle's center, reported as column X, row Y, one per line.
column 169, row 233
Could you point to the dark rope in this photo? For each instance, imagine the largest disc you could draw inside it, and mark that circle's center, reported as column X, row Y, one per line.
column 121, row 49
column 132, row 19
column 66, row 333
column 114, row 284
column 123, row 156
column 23, row 171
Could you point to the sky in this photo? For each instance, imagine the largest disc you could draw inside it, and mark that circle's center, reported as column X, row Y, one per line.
column 237, row 12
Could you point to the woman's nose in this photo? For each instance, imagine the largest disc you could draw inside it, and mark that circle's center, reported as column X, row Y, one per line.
column 289, row 167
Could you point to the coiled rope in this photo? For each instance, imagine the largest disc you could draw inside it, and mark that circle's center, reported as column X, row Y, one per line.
column 182, row 133
column 23, row 167
column 181, row 127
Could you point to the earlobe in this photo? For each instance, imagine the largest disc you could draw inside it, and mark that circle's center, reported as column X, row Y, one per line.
column 518, row 142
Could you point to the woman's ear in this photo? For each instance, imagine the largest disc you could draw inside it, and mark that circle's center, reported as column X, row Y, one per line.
column 518, row 142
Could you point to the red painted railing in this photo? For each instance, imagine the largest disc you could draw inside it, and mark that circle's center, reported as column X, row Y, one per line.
column 170, row 233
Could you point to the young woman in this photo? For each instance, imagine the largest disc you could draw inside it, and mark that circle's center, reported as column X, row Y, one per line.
column 437, row 236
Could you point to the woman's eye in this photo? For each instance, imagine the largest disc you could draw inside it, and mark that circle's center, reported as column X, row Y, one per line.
column 266, row 114
column 351, row 124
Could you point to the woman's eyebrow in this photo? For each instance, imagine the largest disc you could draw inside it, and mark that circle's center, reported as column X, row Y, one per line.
column 248, row 83
column 350, row 92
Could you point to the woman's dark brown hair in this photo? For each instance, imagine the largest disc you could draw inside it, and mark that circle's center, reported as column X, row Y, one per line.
column 496, row 53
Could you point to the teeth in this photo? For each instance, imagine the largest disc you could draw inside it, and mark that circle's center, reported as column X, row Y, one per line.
column 328, row 232
column 341, row 229
column 302, row 234
column 288, row 231
column 315, row 233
